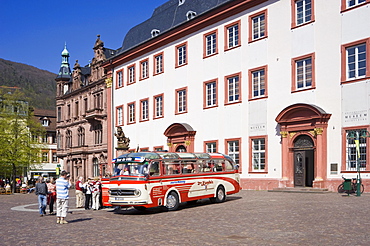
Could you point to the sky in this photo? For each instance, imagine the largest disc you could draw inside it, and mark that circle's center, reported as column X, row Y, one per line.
column 34, row 32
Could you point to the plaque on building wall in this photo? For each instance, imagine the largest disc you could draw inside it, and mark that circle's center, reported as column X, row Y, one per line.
column 257, row 128
column 360, row 116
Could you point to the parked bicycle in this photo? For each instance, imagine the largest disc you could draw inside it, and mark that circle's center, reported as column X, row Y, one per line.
column 353, row 186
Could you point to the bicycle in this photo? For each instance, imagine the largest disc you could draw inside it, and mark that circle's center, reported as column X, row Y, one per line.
column 353, row 186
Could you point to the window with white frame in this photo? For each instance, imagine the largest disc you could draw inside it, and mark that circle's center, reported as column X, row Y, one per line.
column 120, row 78
column 181, row 55
column 55, row 157
column 258, row 154
column 211, row 44
column 131, row 74
column 233, row 150
column 181, row 101
column 158, row 106
column 144, row 110
column 258, row 26
column 144, row 69
column 158, row 62
column 45, row 156
column 211, row 147
column 131, row 113
column 211, row 94
column 232, row 36
column 356, row 153
column 45, row 122
column 258, row 83
column 233, row 90
column 119, row 116
column 303, row 11
column 353, row 3
column 303, row 73
column 356, row 61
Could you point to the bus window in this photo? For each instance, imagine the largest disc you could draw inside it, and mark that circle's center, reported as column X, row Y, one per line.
column 207, row 166
column 154, row 168
column 219, row 166
column 228, row 166
column 171, row 168
column 189, row 167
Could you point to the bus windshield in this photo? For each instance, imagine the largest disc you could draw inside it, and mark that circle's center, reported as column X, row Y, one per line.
column 131, row 169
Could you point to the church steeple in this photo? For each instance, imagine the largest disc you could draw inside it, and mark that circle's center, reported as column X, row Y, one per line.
column 65, row 70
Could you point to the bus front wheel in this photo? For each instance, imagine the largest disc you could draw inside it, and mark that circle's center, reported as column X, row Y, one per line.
column 220, row 195
column 172, row 203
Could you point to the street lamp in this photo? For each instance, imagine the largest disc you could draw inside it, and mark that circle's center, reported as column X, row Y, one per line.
column 356, row 135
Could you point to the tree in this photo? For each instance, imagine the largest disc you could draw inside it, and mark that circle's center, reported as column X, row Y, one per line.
column 20, row 147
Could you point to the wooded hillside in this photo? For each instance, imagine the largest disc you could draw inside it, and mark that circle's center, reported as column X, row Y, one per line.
column 38, row 85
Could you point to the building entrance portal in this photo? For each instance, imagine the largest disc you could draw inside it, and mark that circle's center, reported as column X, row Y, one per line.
column 303, row 162
column 303, row 131
column 180, row 137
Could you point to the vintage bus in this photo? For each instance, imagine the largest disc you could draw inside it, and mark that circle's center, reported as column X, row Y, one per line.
column 152, row 179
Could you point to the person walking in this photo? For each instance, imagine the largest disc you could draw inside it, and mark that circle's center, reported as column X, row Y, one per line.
column 41, row 190
column 52, row 195
column 79, row 193
column 63, row 184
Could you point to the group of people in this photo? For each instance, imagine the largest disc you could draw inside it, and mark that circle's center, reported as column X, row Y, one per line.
column 51, row 192
column 88, row 195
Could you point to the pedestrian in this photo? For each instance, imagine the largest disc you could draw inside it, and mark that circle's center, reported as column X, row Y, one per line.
column 41, row 190
column 63, row 184
column 79, row 193
column 52, row 195
column 88, row 193
column 96, row 193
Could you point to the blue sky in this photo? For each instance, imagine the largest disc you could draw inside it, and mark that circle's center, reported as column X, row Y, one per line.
column 34, row 32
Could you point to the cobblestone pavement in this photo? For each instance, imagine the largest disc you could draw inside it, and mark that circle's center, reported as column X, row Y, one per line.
column 246, row 218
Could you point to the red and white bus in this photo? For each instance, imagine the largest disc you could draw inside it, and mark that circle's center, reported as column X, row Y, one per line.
column 151, row 179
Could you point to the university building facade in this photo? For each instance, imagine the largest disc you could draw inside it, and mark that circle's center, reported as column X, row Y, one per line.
column 280, row 86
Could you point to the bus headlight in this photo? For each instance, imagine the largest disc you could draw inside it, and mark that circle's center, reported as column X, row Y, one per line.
column 137, row 192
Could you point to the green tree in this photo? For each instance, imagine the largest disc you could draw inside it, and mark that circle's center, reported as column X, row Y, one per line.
column 20, row 148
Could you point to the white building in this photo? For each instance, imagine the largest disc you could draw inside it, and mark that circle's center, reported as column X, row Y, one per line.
column 275, row 84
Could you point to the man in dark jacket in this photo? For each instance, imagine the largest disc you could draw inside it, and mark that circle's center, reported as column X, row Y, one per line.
column 41, row 191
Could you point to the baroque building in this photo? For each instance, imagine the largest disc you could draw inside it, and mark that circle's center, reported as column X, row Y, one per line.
column 280, row 86
column 82, row 114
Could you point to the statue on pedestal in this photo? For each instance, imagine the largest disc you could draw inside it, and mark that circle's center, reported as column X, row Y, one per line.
column 122, row 141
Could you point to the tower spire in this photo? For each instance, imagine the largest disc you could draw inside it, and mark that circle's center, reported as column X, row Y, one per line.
column 65, row 70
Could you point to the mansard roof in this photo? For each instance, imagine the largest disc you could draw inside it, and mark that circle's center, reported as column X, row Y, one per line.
column 166, row 17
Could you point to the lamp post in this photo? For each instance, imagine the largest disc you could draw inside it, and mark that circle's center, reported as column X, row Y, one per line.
column 356, row 135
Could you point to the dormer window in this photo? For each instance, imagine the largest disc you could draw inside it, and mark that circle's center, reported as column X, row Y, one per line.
column 45, row 122
column 181, row 2
column 190, row 15
column 155, row 32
